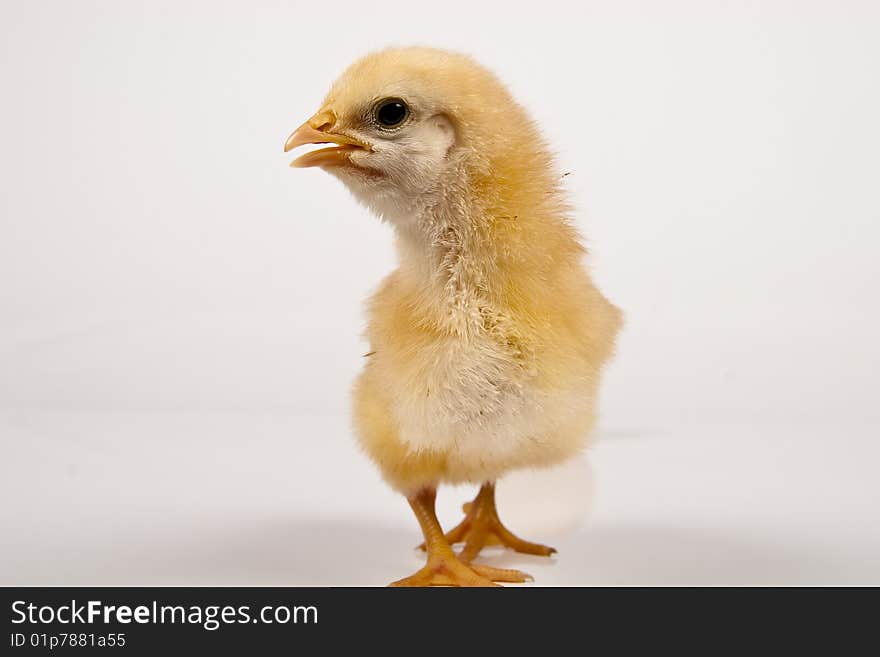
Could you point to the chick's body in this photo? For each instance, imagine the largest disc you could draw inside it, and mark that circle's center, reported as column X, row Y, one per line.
column 465, row 383
column 488, row 340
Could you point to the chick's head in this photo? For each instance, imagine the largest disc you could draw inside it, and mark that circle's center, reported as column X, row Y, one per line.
column 410, row 125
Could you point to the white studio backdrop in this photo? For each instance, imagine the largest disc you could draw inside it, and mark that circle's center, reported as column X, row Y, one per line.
column 158, row 256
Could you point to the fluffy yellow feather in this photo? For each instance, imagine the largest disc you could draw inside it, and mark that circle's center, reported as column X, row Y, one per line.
column 488, row 340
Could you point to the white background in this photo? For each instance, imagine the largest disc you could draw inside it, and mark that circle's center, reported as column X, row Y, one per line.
column 180, row 312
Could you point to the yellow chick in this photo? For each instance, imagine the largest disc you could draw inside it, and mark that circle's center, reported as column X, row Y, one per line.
column 488, row 340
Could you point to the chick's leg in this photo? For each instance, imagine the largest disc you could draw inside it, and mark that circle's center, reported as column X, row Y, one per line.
column 443, row 567
column 482, row 526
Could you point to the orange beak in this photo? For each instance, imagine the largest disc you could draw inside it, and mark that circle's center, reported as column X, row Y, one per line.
column 318, row 130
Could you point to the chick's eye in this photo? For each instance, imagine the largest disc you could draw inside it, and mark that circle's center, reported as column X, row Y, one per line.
column 391, row 112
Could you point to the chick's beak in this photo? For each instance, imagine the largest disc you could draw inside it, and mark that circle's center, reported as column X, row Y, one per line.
column 318, row 130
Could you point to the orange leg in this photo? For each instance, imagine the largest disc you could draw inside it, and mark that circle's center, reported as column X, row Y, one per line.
column 443, row 567
column 482, row 526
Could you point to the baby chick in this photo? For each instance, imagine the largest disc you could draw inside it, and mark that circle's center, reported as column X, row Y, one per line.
column 488, row 340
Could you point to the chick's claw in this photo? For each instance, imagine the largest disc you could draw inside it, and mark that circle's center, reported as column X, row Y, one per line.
column 502, row 574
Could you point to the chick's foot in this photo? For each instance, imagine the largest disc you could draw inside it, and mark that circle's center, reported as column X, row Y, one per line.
column 482, row 526
column 448, row 570
column 444, row 568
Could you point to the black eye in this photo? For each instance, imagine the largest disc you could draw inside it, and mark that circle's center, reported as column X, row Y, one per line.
column 391, row 112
